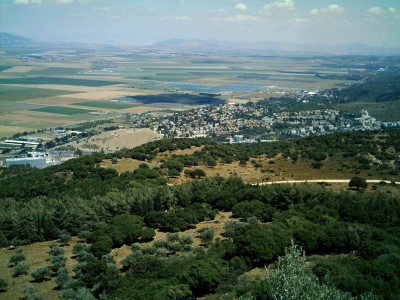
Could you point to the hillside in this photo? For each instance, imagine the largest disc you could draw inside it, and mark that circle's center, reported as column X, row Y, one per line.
column 150, row 225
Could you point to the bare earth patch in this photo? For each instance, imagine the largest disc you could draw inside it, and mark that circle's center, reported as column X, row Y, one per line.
column 121, row 138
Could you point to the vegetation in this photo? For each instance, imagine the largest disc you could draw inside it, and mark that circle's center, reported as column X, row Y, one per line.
column 352, row 238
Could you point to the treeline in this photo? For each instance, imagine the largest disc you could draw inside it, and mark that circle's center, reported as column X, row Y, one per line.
column 321, row 221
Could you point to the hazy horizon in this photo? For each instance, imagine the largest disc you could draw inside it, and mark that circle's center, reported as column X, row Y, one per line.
column 123, row 22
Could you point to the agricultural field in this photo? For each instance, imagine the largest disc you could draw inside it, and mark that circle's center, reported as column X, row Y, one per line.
column 56, row 80
column 155, row 82
column 105, row 104
column 18, row 93
column 62, row 110
column 56, row 71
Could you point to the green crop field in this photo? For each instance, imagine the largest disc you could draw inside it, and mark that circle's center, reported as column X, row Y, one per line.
column 56, row 71
column 62, row 110
column 103, row 104
column 57, row 80
column 16, row 93
column 3, row 68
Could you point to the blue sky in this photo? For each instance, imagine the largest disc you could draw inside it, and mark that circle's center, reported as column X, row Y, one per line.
column 138, row 22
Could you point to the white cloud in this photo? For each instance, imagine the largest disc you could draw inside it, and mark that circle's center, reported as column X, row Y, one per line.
column 279, row 4
column 22, row 2
column 330, row 9
column 392, row 10
column 242, row 18
column 217, row 10
column 176, row 18
column 376, row 10
column 65, row 1
column 334, row 8
column 241, row 6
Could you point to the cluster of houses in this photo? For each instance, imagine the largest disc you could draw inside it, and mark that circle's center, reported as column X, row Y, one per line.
column 231, row 119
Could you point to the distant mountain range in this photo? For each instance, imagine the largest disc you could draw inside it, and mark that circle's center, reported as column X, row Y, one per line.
column 7, row 40
column 274, row 47
column 213, row 46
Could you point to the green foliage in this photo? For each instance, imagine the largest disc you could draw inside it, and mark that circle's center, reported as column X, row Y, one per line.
column 196, row 173
column 358, row 183
column 147, row 234
column 17, row 257
column 261, row 243
column 41, row 274
column 63, row 280
column 356, row 275
column 3, row 284
column 207, row 235
column 65, row 238
column 21, row 268
column 292, row 280
column 55, row 250
column 79, row 294
column 102, row 246
column 126, row 229
column 255, row 208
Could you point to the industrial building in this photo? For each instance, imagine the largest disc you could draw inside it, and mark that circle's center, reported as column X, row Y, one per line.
column 34, row 160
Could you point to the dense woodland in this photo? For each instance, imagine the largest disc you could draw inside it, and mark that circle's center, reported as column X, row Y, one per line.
column 351, row 238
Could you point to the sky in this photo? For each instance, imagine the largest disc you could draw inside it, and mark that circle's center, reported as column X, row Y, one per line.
column 142, row 22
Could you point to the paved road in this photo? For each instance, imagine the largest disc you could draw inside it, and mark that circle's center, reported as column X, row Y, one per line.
column 320, row 180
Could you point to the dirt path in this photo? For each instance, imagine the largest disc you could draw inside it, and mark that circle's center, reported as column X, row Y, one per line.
column 320, row 180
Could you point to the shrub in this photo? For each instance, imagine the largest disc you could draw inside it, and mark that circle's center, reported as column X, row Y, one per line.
column 17, row 257
column 3, row 284
column 40, row 274
column 358, row 183
column 21, row 268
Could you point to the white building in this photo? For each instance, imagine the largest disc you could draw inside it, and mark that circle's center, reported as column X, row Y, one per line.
column 34, row 162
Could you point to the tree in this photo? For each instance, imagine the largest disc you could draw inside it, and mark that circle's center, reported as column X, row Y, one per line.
column 147, row 234
column 54, row 250
column 292, row 279
column 3, row 284
column 207, row 235
column 17, row 257
column 21, row 268
column 80, row 294
column 102, row 246
column 63, row 280
column 65, row 238
column 40, row 274
column 358, row 183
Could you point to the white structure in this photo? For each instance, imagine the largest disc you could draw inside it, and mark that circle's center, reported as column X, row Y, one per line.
column 34, row 162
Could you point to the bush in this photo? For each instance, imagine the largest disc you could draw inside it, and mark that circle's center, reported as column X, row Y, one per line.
column 40, row 274
column 65, row 238
column 3, row 284
column 207, row 235
column 56, row 251
column 147, row 234
column 17, row 258
column 102, row 246
column 63, row 280
column 358, row 183
column 21, row 268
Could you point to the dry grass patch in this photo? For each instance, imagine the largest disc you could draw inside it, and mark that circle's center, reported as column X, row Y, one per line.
column 121, row 138
column 127, row 164
column 36, row 255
